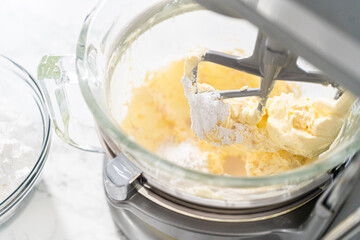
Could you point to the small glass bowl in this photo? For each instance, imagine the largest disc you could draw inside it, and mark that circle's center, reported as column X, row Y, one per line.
column 21, row 92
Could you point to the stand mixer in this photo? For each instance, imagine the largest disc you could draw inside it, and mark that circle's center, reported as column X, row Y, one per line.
column 271, row 60
column 282, row 25
column 144, row 200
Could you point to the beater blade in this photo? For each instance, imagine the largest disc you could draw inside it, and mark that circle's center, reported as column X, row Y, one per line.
column 270, row 61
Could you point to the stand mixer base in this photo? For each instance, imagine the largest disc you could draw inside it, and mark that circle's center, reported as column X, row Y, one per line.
column 135, row 226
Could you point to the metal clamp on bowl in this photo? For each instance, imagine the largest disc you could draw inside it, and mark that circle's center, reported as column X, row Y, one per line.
column 120, row 175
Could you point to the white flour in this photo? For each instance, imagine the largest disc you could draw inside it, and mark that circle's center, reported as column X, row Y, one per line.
column 206, row 110
column 185, row 154
column 20, row 142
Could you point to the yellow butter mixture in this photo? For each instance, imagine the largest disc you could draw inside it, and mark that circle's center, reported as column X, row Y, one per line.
column 159, row 119
column 289, row 122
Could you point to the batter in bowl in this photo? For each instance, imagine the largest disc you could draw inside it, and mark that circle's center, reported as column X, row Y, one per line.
column 295, row 124
column 159, row 119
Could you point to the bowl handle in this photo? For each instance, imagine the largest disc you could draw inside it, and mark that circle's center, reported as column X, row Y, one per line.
column 71, row 117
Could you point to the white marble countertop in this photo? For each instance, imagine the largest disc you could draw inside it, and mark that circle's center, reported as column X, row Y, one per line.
column 69, row 202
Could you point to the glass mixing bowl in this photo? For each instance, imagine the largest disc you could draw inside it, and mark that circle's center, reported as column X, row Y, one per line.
column 22, row 94
column 121, row 40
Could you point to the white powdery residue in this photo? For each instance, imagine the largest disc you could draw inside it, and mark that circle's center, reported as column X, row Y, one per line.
column 230, row 136
column 20, row 141
column 225, row 135
column 206, row 110
column 241, row 131
column 185, row 154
